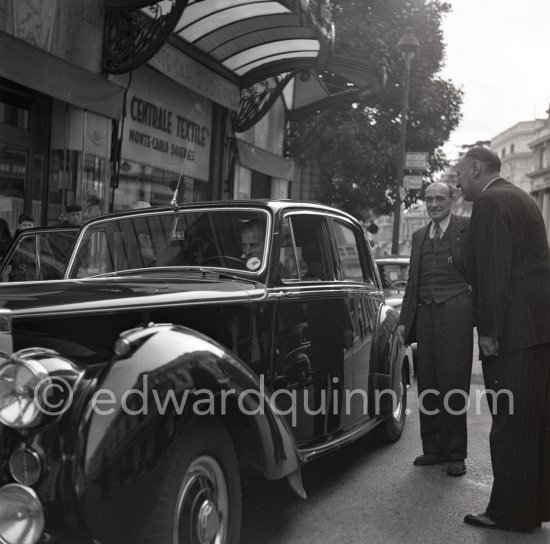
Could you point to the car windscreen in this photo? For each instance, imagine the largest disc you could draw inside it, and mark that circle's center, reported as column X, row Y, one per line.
column 231, row 239
column 393, row 273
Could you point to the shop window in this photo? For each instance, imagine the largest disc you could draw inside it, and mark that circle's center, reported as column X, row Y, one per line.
column 141, row 185
column 79, row 162
column 24, row 140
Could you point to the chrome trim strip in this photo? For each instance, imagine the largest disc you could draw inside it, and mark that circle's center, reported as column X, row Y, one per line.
column 166, row 300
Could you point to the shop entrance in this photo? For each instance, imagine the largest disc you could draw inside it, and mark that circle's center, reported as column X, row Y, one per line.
column 24, row 143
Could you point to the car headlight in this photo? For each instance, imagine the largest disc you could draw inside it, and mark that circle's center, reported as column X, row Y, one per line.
column 34, row 383
column 21, row 515
column 18, row 382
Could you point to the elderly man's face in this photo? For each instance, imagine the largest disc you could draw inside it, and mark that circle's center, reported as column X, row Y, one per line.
column 252, row 241
column 438, row 201
column 74, row 218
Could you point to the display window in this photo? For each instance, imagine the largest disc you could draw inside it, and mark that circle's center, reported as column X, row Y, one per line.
column 24, row 139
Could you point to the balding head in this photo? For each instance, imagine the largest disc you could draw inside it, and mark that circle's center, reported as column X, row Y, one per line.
column 475, row 170
column 487, row 157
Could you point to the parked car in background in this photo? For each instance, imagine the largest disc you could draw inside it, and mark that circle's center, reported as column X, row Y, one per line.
column 394, row 273
column 38, row 254
column 183, row 346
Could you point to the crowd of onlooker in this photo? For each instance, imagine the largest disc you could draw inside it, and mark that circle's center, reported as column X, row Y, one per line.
column 73, row 216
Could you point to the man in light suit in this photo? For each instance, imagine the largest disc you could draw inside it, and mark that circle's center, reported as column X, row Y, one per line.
column 509, row 267
column 437, row 313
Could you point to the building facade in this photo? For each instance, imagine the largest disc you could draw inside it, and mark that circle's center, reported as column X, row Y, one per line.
column 512, row 146
column 118, row 104
column 540, row 170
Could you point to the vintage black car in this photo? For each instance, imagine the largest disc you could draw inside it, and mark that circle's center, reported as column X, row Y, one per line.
column 183, row 346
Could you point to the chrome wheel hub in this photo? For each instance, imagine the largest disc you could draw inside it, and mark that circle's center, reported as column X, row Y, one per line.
column 202, row 506
column 209, row 522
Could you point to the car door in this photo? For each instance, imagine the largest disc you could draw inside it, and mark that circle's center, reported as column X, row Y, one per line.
column 356, row 270
column 311, row 365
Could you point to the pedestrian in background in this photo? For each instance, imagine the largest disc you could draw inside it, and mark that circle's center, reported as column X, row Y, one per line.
column 24, row 221
column 437, row 314
column 73, row 216
column 509, row 266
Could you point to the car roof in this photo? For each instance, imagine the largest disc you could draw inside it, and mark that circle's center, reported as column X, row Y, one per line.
column 274, row 205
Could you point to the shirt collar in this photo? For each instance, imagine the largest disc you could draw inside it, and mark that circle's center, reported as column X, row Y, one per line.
column 490, row 183
column 444, row 223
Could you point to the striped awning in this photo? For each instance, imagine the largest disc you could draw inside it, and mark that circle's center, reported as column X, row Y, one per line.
column 256, row 39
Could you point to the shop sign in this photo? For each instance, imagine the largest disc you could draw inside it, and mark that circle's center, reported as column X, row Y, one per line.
column 189, row 73
column 167, row 126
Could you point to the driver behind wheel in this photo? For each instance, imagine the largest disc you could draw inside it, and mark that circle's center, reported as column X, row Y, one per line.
column 252, row 243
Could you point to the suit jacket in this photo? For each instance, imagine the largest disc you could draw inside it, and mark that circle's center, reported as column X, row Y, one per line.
column 458, row 230
column 509, row 266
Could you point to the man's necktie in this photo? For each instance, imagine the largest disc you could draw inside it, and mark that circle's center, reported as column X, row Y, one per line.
column 437, row 234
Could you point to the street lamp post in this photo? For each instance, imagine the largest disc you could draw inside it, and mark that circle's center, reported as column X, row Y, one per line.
column 408, row 45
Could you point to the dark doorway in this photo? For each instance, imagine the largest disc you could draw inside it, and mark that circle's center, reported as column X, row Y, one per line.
column 260, row 185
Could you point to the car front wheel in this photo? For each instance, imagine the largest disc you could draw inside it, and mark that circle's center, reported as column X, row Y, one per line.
column 200, row 502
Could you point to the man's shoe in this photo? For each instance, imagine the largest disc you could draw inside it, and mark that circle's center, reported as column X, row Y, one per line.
column 456, row 468
column 429, row 459
column 484, row 521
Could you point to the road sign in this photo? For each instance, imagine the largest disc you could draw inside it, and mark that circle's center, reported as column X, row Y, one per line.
column 416, row 161
column 412, row 182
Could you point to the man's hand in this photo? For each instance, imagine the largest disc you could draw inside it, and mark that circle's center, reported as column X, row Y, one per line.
column 401, row 333
column 488, row 346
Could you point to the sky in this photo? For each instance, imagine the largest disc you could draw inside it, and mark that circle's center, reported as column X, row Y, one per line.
column 498, row 52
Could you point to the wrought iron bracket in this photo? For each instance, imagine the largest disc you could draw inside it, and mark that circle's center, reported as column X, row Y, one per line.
column 257, row 100
column 132, row 36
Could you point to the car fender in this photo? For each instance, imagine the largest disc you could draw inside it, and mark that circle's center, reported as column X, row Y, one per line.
column 129, row 432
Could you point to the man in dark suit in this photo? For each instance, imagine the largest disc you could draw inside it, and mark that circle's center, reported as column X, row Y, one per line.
column 437, row 313
column 509, row 267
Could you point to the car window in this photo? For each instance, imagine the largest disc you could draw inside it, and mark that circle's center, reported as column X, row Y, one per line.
column 303, row 254
column 234, row 239
column 39, row 257
column 352, row 254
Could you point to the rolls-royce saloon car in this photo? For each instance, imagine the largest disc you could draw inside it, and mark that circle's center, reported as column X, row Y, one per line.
column 182, row 346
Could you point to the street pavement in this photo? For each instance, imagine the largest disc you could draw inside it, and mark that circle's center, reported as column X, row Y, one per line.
column 371, row 493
